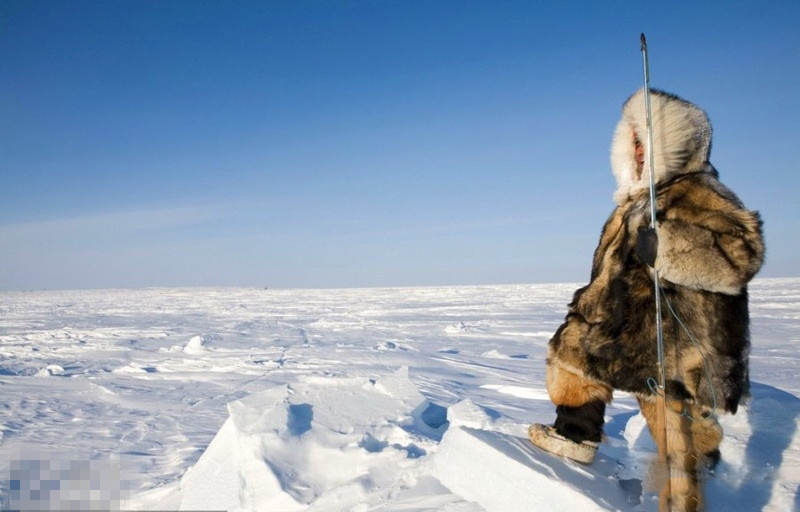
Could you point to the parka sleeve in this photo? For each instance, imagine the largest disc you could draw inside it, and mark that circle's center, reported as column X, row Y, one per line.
column 710, row 245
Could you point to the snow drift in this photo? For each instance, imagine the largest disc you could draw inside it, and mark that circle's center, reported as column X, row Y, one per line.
column 335, row 444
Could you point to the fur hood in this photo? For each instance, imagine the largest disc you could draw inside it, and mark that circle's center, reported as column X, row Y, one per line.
column 681, row 142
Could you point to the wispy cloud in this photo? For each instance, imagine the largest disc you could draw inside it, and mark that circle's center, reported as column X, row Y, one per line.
column 104, row 225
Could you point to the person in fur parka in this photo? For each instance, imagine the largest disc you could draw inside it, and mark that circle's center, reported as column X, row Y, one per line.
column 706, row 248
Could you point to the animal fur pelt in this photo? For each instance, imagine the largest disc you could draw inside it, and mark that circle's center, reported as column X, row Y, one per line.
column 709, row 247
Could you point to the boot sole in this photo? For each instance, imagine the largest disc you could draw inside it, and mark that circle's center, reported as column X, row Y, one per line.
column 546, row 438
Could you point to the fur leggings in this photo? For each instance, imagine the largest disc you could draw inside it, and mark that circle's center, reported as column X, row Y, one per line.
column 686, row 439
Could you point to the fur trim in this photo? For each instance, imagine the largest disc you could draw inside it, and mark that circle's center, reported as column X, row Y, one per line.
column 681, row 141
column 571, row 387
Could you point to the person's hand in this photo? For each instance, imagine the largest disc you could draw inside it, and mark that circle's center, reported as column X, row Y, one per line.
column 647, row 245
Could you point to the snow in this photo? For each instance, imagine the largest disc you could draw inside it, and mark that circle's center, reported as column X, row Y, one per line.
column 344, row 400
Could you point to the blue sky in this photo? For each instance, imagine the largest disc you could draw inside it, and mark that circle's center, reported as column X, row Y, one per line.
column 363, row 143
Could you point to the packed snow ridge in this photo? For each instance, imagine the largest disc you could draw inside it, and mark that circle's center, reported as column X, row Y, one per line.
column 357, row 444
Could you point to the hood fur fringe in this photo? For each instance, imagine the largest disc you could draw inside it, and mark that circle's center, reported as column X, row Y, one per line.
column 681, row 141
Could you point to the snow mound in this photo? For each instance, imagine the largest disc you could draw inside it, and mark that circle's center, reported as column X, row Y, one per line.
column 466, row 414
column 328, row 444
column 513, row 476
column 195, row 346
column 50, row 370
column 494, row 354
column 334, row 442
column 465, row 328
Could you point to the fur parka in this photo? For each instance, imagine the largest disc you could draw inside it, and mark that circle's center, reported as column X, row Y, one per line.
column 709, row 247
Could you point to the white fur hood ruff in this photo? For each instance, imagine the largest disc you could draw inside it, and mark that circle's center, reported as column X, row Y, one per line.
column 681, row 141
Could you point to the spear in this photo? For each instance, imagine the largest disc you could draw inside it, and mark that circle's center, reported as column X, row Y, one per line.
column 649, row 155
column 662, row 381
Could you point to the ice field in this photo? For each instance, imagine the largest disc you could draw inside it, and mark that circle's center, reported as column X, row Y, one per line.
column 401, row 399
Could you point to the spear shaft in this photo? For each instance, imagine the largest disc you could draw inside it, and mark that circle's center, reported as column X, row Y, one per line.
column 650, row 160
column 662, row 382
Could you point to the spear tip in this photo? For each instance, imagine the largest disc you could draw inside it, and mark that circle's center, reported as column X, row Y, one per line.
column 644, row 42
